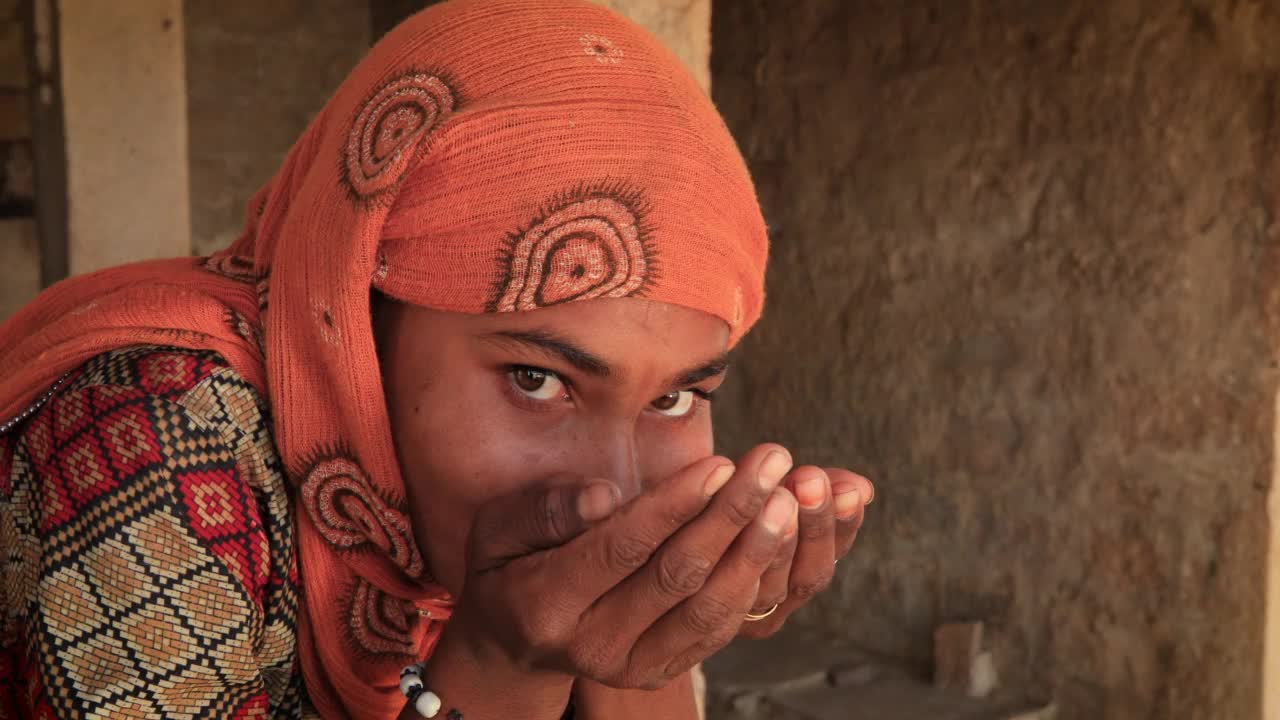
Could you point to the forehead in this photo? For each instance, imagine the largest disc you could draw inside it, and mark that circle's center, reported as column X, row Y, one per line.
column 623, row 331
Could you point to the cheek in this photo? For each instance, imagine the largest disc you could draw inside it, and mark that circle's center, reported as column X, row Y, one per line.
column 664, row 448
column 460, row 444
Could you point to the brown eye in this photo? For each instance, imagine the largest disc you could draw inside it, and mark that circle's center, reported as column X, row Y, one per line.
column 536, row 383
column 666, row 402
column 529, row 379
column 676, row 404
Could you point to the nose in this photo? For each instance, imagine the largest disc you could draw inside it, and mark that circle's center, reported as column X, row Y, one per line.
column 610, row 453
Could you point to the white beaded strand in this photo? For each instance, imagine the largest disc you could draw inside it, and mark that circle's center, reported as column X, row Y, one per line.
column 424, row 701
column 427, row 704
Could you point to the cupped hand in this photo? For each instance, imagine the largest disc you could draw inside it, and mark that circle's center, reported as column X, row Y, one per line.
column 561, row 580
column 832, row 505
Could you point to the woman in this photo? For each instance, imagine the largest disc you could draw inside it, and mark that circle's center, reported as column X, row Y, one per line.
column 443, row 405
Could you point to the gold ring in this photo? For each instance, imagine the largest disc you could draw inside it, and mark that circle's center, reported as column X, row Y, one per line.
column 753, row 618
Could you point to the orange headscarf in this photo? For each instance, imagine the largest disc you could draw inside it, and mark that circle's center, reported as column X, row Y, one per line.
column 486, row 156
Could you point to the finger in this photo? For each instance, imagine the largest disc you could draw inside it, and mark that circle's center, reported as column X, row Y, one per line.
column 600, row 558
column 810, row 565
column 705, row 622
column 777, row 578
column 538, row 518
column 684, row 562
column 852, row 493
column 815, row 558
column 866, row 489
column 812, row 491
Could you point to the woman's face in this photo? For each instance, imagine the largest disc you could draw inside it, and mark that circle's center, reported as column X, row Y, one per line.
column 483, row 405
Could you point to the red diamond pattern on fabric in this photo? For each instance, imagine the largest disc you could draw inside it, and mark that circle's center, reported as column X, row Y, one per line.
column 165, row 373
column 214, row 508
column 106, row 398
column 161, row 572
column 86, row 472
column 70, row 480
column 57, row 507
column 71, row 414
column 219, row 508
column 38, row 439
column 128, row 434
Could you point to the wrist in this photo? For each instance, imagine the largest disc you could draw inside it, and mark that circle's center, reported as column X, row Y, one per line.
column 481, row 681
column 676, row 701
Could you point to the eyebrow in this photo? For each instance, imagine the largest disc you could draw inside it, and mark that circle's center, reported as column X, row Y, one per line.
column 554, row 345
column 707, row 370
column 559, row 347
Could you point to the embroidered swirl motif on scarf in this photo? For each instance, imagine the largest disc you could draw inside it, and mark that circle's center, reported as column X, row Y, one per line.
column 389, row 130
column 593, row 245
column 233, row 267
column 349, row 514
column 380, row 623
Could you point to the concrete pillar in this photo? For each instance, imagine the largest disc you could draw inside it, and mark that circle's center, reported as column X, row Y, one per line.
column 124, row 95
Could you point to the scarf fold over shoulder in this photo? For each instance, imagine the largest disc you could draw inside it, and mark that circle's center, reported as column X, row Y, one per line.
column 486, row 156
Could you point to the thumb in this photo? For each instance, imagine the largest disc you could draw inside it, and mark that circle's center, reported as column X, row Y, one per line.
column 539, row 518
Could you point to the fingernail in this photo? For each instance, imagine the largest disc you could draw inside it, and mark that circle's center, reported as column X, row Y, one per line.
column 775, row 465
column 847, row 503
column 779, row 513
column 717, row 479
column 812, row 491
column 597, row 502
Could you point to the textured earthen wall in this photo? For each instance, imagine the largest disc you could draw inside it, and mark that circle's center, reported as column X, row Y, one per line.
column 1023, row 255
